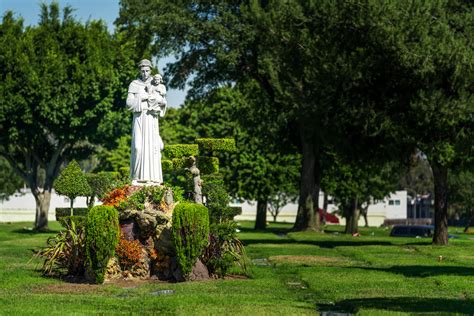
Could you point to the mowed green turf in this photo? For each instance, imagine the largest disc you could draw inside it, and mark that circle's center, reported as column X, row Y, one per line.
column 293, row 274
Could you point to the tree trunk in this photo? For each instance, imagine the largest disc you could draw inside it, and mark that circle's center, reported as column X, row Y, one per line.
column 469, row 221
column 352, row 217
column 440, row 177
column 42, row 208
column 366, row 220
column 307, row 217
column 261, row 220
column 72, row 207
column 91, row 201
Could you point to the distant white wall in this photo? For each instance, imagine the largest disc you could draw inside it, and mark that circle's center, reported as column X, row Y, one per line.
column 392, row 207
column 21, row 207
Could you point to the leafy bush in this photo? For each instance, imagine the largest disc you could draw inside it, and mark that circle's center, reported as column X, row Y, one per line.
column 72, row 183
column 190, row 233
column 136, row 201
column 180, row 150
column 102, row 235
column 208, row 165
column 128, row 252
column 65, row 252
column 217, row 199
column 167, row 165
column 224, row 250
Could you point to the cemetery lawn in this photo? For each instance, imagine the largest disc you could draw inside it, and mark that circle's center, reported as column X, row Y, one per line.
column 293, row 274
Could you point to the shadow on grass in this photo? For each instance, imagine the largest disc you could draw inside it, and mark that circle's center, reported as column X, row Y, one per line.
column 402, row 304
column 282, row 232
column 321, row 243
column 425, row 271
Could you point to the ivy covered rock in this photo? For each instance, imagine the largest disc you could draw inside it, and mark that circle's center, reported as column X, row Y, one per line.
column 146, row 246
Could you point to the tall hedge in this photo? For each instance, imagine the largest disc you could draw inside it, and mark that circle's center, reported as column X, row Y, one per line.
column 102, row 235
column 190, row 233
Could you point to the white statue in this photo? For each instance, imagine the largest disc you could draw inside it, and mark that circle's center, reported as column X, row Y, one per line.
column 146, row 99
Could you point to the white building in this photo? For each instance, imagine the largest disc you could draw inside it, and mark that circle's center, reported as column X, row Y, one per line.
column 392, row 207
column 21, row 207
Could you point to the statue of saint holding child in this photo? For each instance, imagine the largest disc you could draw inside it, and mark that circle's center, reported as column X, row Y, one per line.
column 147, row 101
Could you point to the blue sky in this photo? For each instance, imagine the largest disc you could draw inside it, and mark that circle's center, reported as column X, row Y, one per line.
column 106, row 10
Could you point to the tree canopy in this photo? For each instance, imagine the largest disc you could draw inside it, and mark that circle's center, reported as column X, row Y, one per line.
column 60, row 81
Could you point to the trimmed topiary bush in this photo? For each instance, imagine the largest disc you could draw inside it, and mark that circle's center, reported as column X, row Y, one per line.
column 72, row 183
column 102, row 236
column 180, row 150
column 210, row 145
column 167, row 165
column 181, row 163
column 208, row 165
column 190, row 233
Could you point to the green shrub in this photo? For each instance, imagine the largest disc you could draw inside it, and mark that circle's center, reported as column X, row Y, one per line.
column 102, row 236
column 180, row 150
column 224, row 250
column 178, row 176
column 167, row 165
column 190, row 233
column 72, row 183
column 208, row 165
column 217, row 199
column 181, row 163
column 124, row 175
column 210, row 145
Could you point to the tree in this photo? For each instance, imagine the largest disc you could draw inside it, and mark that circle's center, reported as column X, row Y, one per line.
column 59, row 80
column 72, row 183
column 418, row 179
column 278, row 201
column 307, row 78
column 11, row 181
column 435, row 47
column 354, row 185
column 461, row 187
column 115, row 158
column 331, row 70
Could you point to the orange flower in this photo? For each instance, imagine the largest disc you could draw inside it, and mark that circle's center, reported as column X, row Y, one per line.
column 115, row 197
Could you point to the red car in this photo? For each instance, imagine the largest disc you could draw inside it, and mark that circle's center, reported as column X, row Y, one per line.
column 330, row 218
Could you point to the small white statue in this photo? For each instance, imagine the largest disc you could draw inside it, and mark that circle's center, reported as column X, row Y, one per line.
column 146, row 99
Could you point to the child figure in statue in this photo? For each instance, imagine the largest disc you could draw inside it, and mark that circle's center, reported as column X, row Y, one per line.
column 157, row 98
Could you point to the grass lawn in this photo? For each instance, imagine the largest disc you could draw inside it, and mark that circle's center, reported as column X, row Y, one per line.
column 293, row 274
